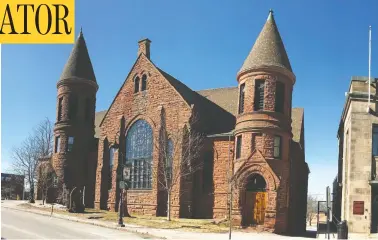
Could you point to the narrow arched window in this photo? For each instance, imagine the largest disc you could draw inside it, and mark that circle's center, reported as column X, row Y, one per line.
column 144, row 82
column 60, row 106
column 241, row 98
column 139, row 148
column 73, row 106
column 136, row 84
column 111, row 161
column 280, row 97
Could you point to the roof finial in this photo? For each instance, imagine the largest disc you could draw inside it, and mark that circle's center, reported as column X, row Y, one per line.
column 81, row 30
column 270, row 14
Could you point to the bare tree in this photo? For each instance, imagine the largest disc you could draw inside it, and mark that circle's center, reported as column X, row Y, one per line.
column 26, row 156
column 46, row 179
column 312, row 205
column 179, row 158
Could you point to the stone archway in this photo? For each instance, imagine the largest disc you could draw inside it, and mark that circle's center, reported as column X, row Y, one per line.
column 255, row 199
column 258, row 178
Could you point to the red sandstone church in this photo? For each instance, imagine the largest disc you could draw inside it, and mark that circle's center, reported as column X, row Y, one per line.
column 251, row 131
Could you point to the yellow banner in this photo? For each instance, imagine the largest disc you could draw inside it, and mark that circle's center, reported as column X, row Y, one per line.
column 37, row 21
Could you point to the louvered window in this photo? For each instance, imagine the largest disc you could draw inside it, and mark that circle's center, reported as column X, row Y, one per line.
column 60, row 109
column 144, row 82
column 241, row 98
column 238, row 146
column 73, row 107
column 280, row 97
column 259, row 95
column 136, row 84
column 277, row 147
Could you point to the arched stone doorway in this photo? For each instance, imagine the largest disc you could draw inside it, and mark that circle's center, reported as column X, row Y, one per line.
column 255, row 200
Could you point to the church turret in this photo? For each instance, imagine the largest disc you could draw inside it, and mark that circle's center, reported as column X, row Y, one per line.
column 74, row 127
column 264, row 116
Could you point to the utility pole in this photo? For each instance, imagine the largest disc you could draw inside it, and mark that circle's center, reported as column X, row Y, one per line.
column 328, row 203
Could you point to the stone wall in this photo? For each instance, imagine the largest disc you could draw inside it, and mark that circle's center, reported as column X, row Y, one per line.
column 149, row 105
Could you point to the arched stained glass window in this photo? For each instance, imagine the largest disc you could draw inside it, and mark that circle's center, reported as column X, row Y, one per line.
column 111, row 162
column 139, row 150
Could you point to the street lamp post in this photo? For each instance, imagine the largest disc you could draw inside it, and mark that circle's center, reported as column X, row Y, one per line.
column 120, row 220
column 125, row 175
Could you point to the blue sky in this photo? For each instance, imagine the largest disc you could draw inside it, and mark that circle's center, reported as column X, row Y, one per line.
column 203, row 43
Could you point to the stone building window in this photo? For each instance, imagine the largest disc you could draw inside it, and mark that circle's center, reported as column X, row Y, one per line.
column 136, row 84
column 111, row 162
column 259, row 95
column 60, row 102
column 70, row 144
column 241, row 98
column 375, row 140
column 277, row 147
column 139, row 148
column 280, row 97
column 72, row 111
column 57, row 144
column 238, row 146
column 144, row 82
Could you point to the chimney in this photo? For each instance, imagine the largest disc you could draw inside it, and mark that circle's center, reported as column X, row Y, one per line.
column 144, row 47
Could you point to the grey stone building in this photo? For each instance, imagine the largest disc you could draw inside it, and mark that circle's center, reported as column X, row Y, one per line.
column 356, row 184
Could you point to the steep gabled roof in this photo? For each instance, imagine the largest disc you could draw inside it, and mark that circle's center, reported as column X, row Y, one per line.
column 213, row 118
column 268, row 49
column 79, row 64
column 226, row 98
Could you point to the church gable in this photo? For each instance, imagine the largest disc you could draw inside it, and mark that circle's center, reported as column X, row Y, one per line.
column 143, row 92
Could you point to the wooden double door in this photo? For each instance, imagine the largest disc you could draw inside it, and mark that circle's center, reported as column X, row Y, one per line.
column 255, row 205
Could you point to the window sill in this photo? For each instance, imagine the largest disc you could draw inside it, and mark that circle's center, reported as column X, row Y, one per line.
column 139, row 190
column 140, row 92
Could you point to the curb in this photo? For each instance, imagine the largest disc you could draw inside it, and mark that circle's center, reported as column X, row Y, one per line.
column 86, row 222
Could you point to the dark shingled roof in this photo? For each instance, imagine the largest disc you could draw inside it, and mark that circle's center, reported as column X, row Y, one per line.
column 297, row 117
column 213, row 118
column 79, row 64
column 225, row 98
column 268, row 49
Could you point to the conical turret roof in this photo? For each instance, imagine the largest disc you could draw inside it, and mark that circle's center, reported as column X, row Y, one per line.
column 79, row 64
column 268, row 49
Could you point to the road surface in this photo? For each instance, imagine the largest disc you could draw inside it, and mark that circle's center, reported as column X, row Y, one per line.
column 24, row 225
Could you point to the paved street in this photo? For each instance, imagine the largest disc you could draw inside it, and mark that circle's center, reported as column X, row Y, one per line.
column 23, row 225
